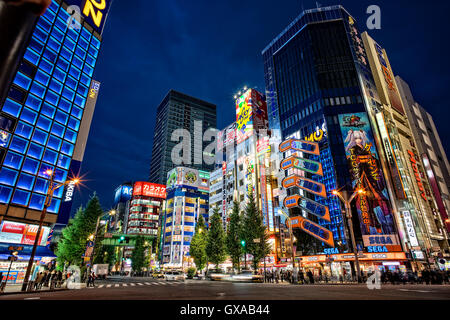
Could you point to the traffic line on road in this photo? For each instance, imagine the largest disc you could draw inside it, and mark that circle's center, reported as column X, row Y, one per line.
column 132, row 284
column 147, row 283
column 101, row 286
column 139, row 284
column 109, row 285
column 125, row 285
column 421, row 291
column 117, row 285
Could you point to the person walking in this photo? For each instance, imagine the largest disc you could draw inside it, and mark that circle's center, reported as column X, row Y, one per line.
column 310, row 277
column 301, row 276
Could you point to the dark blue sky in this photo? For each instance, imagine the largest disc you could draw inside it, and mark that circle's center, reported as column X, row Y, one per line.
column 210, row 49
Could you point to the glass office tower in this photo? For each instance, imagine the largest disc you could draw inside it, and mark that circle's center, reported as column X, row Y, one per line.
column 42, row 118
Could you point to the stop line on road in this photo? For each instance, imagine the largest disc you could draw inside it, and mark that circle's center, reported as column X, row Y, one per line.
column 133, row 284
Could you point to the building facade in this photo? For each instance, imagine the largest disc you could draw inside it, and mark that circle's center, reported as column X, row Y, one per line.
column 194, row 117
column 187, row 198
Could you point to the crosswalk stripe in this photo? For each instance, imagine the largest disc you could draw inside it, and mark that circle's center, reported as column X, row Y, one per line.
column 109, row 285
column 132, row 284
column 147, row 283
column 101, row 286
column 116, row 285
column 139, row 284
column 156, row 283
column 125, row 285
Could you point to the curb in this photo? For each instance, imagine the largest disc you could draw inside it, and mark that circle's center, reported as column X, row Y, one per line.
column 30, row 292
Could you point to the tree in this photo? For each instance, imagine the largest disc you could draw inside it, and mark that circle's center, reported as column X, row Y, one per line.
column 215, row 245
column 138, row 254
column 234, row 237
column 254, row 232
column 197, row 249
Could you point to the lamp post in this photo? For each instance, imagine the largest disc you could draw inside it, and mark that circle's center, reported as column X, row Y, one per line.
column 48, row 200
column 348, row 212
column 291, row 235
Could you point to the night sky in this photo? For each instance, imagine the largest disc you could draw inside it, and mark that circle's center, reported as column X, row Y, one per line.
column 210, row 50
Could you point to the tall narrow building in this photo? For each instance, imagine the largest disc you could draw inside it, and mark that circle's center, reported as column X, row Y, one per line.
column 45, row 120
column 181, row 112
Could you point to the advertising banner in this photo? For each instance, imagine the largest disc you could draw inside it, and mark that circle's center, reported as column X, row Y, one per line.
column 306, row 184
column 21, row 233
column 313, row 229
column 302, row 164
column 308, row 205
column 373, row 206
column 410, row 229
column 143, row 188
column 300, row 145
column 123, row 194
column 244, row 119
column 94, row 12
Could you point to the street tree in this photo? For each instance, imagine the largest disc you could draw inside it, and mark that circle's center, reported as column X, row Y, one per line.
column 234, row 237
column 254, row 232
column 197, row 249
column 138, row 255
column 215, row 246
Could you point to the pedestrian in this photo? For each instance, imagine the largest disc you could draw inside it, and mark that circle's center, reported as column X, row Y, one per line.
column 301, row 276
column 93, row 279
column 310, row 277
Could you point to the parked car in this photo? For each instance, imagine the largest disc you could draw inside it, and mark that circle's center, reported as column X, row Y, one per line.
column 174, row 276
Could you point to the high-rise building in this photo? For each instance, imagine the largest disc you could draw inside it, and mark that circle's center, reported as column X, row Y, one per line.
column 121, row 206
column 430, row 151
column 45, row 119
column 194, row 116
column 319, row 87
column 187, row 199
column 413, row 200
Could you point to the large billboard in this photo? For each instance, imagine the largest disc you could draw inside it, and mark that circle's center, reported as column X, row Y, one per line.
column 182, row 176
column 143, row 188
column 123, row 193
column 374, row 210
column 251, row 114
column 94, row 12
column 21, row 233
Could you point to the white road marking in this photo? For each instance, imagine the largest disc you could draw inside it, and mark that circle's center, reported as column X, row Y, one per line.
column 147, row 283
column 139, row 284
column 101, row 286
column 32, row 298
column 109, row 285
column 132, row 284
column 125, row 285
column 117, row 285
column 422, row 291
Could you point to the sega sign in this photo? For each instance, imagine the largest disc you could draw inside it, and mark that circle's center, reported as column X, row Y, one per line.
column 376, row 240
column 377, row 249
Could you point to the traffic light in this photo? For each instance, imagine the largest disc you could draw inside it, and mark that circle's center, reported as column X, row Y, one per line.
column 243, row 243
column 121, row 239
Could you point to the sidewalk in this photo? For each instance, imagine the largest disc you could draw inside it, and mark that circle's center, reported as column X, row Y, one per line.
column 17, row 288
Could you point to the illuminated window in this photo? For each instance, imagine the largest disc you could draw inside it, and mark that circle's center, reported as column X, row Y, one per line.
column 8, row 176
column 5, row 194
column 21, row 197
column 25, row 181
column 37, row 202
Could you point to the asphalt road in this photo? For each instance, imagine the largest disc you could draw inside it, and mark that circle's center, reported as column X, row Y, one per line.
column 149, row 289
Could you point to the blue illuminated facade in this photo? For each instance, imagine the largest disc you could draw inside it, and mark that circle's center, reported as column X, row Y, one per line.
column 40, row 120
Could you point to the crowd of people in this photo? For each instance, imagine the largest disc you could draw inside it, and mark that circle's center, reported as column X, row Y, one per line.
column 301, row 276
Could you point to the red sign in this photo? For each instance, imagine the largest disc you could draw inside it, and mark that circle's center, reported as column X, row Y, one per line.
column 417, row 174
column 142, row 188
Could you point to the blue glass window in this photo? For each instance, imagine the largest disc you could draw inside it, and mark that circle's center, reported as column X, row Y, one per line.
column 50, row 156
column 69, row 44
column 58, row 192
column 44, row 24
column 50, row 15
column 50, row 55
column 77, row 62
column 68, row 93
column 71, row 82
column 35, row 151
column 67, row 148
column 83, row 43
column 11, row 107
column 31, row 56
column 37, row 202
column 41, row 186
column 18, row 144
column 58, row 34
column 74, row 124
column 8, row 176
column 93, row 51
column 25, row 181
column 85, row 34
column 37, row 89
column 54, row 44
column 23, row 130
column 73, row 34
column 80, row 52
column 54, row 143
column 59, row 74
column 52, row 97
column 61, row 24
column 63, row 64
column 60, row 175
column 63, row 15
column 46, row 66
column 21, row 197
column 58, row 130
column 48, row 110
column 28, row 116
column 90, row 60
column 5, row 194
column 43, row 169
column 54, row 6
column 95, row 42
column 76, row 112
column 22, row 81
column 56, row 86
column 44, row 123
column 63, row 162
column 36, row 45
column 42, row 77
column 82, row 90
column 61, row 117
column 79, row 100
column 75, row 72
column 54, row 206
column 30, row 166
column 66, row 53
column 40, row 136
column 70, row 136
column 64, row 105
column 85, row 80
column 40, row 34
column 13, row 160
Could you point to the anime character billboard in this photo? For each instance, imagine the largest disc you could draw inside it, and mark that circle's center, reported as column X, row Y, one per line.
column 374, row 209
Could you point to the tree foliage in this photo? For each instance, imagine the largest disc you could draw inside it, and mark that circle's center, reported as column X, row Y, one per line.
column 197, row 249
column 254, row 229
column 215, row 246
column 138, row 254
column 234, row 237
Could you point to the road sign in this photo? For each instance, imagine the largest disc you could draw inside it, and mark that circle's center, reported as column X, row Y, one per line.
column 307, row 165
column 306, row 184
column 308, row 205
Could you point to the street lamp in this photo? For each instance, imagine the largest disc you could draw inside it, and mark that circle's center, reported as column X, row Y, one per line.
column 52, row 187
column 291, row 236
column 348, row 212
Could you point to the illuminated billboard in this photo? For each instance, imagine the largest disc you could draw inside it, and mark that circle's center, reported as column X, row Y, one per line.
column 94, row 12
column 123, row 194
column 182, row 176
column 143, row 188
column 313, row 229
column 21, row 233
column 251, row 114
column 373, row 206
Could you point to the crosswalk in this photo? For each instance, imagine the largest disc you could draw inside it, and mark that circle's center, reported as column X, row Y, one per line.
column 134, row 284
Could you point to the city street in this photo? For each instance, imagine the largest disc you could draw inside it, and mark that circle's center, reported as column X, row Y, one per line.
column 149, row 289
